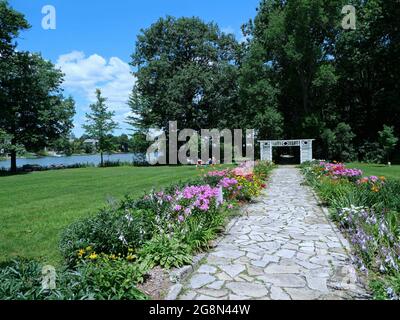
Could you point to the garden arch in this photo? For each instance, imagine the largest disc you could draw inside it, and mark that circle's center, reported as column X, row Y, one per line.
column 305, row 145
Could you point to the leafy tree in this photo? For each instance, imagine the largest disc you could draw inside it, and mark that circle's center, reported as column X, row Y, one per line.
column 33, row 111
column 343, row 143
column 291, row 44
column 100, row 124
column 388, row 140
column 371, row 152
column 12, row 22
column 258, row 96
column 186, row 72
column 368, row 65
column 138, row 143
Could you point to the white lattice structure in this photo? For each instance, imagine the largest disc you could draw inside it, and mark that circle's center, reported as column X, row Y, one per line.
column 306, row 149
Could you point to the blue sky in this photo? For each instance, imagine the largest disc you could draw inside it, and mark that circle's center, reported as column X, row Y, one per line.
column 93, row 40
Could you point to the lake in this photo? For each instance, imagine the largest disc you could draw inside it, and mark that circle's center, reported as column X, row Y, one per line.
column 92, row 159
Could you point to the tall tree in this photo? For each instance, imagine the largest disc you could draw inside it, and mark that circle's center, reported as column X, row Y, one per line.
column 186, row 72
column 100, row 124
column 33, row 111
column 388, row 140
column 293, row 41
column 368, row 64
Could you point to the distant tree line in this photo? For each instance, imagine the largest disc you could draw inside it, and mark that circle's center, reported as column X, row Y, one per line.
column 116, row 144
column 299, row 74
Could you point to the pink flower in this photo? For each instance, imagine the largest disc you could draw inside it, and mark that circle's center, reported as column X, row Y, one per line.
column 178, row 208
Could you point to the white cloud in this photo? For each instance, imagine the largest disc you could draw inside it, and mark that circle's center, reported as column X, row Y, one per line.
column 84, row 74
column 228, row 30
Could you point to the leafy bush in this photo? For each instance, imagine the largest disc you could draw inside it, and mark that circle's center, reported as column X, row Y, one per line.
column 110, row 231
column 263, row 169
column 166, row 251
column 104, row 280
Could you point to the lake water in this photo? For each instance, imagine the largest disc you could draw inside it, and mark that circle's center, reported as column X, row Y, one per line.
column 92, row 159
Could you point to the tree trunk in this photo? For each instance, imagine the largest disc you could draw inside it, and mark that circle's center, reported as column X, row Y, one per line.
column 13, row 161
column 101, row 156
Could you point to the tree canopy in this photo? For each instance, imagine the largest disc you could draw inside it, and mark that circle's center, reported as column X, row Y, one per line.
column 100, row 124
column 186, row 72
column 33, row 111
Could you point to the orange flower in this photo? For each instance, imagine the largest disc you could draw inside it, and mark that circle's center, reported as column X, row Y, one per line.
column 375, row 189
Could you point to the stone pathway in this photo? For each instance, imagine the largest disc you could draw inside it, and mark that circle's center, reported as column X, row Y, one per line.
column 283, row 248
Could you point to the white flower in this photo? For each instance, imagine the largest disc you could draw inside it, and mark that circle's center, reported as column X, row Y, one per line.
column 129, row 218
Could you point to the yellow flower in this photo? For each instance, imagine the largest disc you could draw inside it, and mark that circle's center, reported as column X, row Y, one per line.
column 375, row 189
column 89, row 248
column 130, row 257
column 81, row 253
column 93, row 256
column 382, row 178
column 113, row 257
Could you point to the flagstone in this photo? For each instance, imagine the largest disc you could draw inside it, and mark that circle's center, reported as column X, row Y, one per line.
column 282, row 248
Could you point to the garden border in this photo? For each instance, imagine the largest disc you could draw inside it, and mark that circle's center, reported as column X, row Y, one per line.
column 360, row 278
column 179, row 275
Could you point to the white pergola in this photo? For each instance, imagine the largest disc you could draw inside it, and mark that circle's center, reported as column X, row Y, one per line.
column 306, row 149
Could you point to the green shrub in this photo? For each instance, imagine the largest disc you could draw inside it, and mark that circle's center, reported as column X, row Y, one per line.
column 102, row 280
column 110, row 231
column 108, row 280
column 385, row 288
column 166, row 251
column 20, row 280
column 263, row 169
column 199, row 230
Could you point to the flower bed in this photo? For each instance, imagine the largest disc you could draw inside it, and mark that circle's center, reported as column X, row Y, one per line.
column 367, row 211
column 123, row 241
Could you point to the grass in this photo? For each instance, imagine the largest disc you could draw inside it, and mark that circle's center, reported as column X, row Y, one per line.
column 378, row 170
column 34, row 208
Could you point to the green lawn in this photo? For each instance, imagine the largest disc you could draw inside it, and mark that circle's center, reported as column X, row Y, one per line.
column 34, row 208
column 378, row 170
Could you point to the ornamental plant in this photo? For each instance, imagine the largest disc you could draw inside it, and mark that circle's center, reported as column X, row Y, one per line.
column 339, row 170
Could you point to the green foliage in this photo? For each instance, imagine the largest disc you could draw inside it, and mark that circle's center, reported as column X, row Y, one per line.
column 31, row 88
column 388, row 140
column 138, row 143
column 343, row 144
column 167, row 251
column 102, row 280
column 263, row 169
column 199, row 231
column 110, row 231
column 12, row 23
column 368, row 212
column 371, row 152
column 110, row 279
column 185, row 72
column 100, row 124
column 384, row 289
